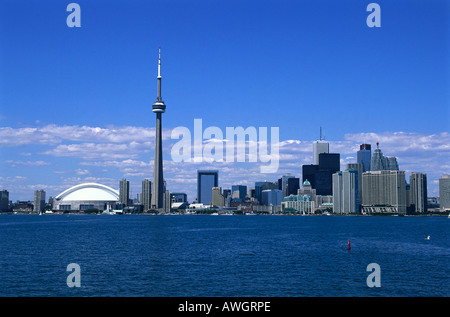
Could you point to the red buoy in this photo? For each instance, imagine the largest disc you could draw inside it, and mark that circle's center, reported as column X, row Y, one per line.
column 348, row 245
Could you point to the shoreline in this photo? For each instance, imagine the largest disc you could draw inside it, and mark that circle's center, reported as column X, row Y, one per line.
column 444, row 214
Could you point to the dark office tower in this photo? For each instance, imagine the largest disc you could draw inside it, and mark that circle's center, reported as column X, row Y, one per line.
column 4, row 200
column 418, row 192
column 364, row 155
column 321, row 176
column 124, row 192
column 146, row 194
column 292, row 186
column 330, row 161
column 158, row 179
column 309, row 174
column 206, row 180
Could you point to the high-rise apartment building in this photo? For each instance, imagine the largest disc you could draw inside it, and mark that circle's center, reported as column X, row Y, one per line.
column 345, row 192
column 146, row 195
column 39, row 201
column 384, row 192
column 444, row 193
column 217, row 197
column 206, row 180
column 418, row 192
column 124, row 192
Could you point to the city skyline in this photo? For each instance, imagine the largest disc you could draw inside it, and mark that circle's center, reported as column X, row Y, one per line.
column 75, row 103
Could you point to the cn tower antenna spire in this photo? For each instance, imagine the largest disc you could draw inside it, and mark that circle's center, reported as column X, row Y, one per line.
column 159, row 63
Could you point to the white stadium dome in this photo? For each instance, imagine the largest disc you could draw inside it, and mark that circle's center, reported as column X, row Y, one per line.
column 86, row 196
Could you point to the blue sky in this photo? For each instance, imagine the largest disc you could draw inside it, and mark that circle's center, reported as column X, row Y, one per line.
column 75, row 103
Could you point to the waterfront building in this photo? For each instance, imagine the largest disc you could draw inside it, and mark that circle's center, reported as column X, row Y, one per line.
column 166, row 202
column 39, row 200
column 384, row 192
column 217, row 197
column 157, row 197
column 4, row 200
column 146, row 194
column 418, row 192
column 444, row 193
column 86, row 196
column 271, row 197
column 124, row 192
column 178, row 197
column 364, row 155
column 301, row 204
column 206, row 180
column 345, row 192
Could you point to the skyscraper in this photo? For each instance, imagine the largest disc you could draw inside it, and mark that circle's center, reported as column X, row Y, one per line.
column 283, row 184
column 359, row 169
column 444, row 192
column 124, row 192
column 384, row 192
column 418, row 192
column 39, row 200
column 379, row 162
column 217, row 197
column 158, row 179
column 260, row 186
column 345, row 192
column 320, row 176
column 271, row 197
column 206, row 180
column 292, row 186
column 4, row 200
column 319, row 146
column 238, row 192
column 146, row 194
column 364, row 155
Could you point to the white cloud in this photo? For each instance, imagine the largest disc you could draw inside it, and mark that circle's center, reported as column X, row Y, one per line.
column 91, row 151
column 53, row 134
column 26, row 163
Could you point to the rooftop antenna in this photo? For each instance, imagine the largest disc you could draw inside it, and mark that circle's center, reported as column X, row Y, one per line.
column 320, row 133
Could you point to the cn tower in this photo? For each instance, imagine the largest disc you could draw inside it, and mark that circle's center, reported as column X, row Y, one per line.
column 158, row 181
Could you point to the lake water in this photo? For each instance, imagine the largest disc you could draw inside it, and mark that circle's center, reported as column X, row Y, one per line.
column 193, row 255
